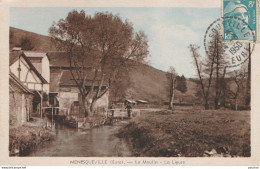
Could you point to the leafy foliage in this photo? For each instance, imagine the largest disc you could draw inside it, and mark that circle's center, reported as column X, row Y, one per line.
column 181, row 84
column 101, row 43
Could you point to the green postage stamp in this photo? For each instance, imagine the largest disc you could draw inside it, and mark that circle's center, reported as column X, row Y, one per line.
column 240, row 20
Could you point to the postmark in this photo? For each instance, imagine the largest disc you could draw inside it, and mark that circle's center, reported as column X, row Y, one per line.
column 235, row 51
column 246, row 10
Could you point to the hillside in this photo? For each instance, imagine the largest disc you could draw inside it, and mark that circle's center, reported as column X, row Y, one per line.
column 39, row 42
column 144, row 82
column 148, row 83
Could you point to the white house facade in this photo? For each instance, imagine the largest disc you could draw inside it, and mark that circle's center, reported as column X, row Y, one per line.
column 28, row 74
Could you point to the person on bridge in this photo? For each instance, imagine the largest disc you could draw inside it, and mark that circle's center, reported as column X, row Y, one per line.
column 129, row 108
column 113, row 108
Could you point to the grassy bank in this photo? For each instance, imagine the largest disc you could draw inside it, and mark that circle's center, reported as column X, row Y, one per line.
column 23, row 139
column 189, row 133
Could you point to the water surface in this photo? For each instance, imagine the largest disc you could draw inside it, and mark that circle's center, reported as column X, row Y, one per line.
column 96, row 142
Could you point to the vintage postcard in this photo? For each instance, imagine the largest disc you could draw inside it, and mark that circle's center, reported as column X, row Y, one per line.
column 130, row 82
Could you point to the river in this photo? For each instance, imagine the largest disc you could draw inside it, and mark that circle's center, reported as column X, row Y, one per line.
column 96, row 142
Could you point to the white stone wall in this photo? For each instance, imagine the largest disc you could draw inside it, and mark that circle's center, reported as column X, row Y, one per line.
column 102, row 102
column 46, row 69
column 67, row 98
column 14, row 68
column 68, row 95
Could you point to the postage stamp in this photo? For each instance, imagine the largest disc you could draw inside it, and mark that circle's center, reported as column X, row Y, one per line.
column 236, row 51
column 245, row 12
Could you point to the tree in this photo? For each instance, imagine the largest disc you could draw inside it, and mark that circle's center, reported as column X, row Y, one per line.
column 181, row 84
column 239, row 77
column 118, row 91
column 217, row 57
column 204, row 81
column 212, row 67
column 119, row 88
column 248, row 94
column 26, row 44
column 101, row 43
column 171, row 75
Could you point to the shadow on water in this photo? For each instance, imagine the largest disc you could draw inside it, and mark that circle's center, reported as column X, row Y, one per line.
column 96, row 142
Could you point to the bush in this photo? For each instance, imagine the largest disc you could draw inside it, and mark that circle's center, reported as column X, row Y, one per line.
column 26, row 138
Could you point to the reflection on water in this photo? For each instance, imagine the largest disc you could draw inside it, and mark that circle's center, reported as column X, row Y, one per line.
column 97, row 142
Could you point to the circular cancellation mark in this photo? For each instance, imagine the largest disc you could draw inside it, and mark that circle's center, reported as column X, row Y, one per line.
column 235, row 36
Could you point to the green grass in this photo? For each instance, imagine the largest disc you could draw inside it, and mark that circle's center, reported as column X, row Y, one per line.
column 189, row 133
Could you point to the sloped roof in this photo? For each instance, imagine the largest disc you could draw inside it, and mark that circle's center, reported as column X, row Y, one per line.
column 14, row 56
column 142, row 101
column 130, row 101
column 14, row 79
column 35, row 54
column 61, row 59
column 67, row 78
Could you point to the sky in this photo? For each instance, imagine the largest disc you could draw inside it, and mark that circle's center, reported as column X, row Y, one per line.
column 169, row 30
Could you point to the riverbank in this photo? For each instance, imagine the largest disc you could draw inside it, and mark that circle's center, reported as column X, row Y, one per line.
column 191, row 133
column 25, row 138
column 96, row 142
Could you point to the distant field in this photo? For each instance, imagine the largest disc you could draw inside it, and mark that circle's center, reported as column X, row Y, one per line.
column 189, row 133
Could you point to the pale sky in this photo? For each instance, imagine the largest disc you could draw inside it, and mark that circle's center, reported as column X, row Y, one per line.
column 169, row 30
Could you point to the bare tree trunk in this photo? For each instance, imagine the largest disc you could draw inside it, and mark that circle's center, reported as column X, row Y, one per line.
column 217, row 82
column 216, row 103
column 172, row 94
column 171, row 102
column 204, row 91
column 248, row 94
column 92, row 105
column 236, row 104
column 85, row 108
column 206, row 104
